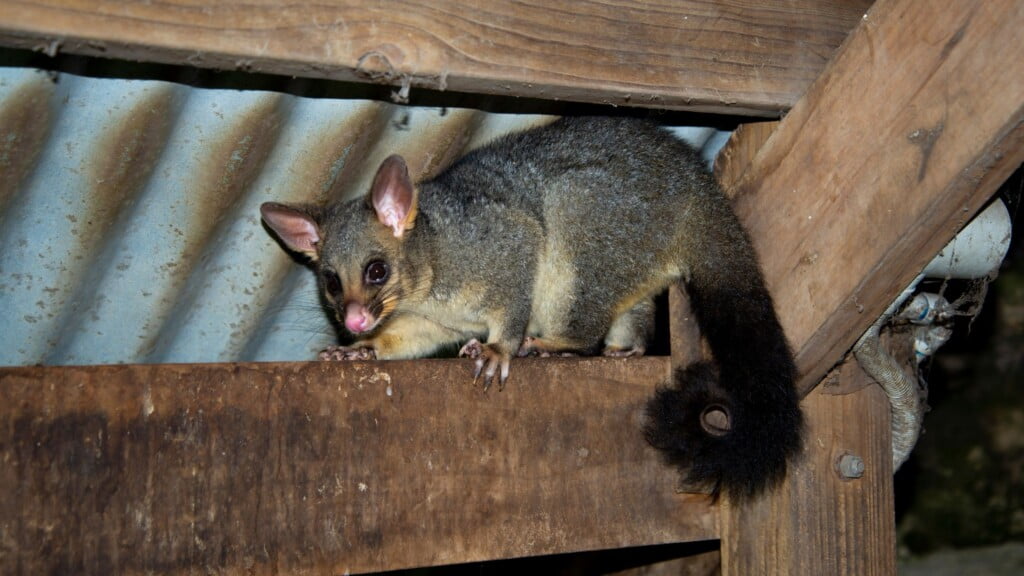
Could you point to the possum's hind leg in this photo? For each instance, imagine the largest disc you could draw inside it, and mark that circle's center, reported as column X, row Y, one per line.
column 627, row 336
column 631, row 331
column 554, row 346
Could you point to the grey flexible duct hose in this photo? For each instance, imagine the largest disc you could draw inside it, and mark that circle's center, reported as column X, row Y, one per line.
column 904, row 401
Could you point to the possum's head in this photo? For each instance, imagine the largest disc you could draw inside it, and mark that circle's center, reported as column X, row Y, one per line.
column 358, row 248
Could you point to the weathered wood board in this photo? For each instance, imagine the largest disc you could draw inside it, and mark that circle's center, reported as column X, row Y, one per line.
column 726, row 56
column 819, row 522
column 906, row 134
column 329, row 468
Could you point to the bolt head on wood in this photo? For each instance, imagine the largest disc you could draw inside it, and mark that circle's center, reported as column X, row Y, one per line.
column 850, row 466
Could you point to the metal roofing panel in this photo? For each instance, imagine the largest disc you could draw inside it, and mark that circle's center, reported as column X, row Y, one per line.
column 129, row 221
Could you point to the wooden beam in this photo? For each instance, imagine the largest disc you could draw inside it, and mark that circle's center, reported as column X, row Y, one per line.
column 818, row 521
column 329, row 467
column 735, row 157
column 727, row 56
column 908, row 131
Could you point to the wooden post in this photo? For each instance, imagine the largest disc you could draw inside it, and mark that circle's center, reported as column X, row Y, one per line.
column 820, row 522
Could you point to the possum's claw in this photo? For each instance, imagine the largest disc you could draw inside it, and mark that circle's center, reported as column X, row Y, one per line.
column 490, row 362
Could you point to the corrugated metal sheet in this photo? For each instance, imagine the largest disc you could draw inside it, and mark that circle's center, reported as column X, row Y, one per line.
column 129, row 222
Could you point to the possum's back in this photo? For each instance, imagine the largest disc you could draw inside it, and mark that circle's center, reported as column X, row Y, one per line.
column 588, row 169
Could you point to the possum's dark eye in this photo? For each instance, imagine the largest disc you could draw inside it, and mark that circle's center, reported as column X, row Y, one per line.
column 376, row 273
column 332, row 284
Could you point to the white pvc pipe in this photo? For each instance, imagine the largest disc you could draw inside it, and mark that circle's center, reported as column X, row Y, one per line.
column 978, row 249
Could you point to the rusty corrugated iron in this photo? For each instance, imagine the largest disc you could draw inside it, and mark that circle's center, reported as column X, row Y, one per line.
column 129, row 222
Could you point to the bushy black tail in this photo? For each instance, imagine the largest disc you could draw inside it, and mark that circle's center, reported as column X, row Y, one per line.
column 732, row 425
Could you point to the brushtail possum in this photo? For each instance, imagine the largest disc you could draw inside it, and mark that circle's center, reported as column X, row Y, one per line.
column 555, row 240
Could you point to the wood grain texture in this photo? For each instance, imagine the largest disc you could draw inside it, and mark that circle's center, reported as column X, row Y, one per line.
column 817, row 522
column 315, row 468
column 735, row 157
column 908, row 131
column 726, row 56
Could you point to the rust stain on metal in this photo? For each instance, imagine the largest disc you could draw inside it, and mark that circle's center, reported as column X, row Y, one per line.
column 233, row 163
column 125, row 159
column 342, row 149
column 450, row 143
column 120, row 165
column 25, row 122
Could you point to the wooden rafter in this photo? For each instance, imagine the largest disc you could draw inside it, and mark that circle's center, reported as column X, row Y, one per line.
column 728, row 56
column 906, row 134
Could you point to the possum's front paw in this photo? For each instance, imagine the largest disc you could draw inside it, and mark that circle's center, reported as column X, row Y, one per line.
column 342, row 353
column 489, row 356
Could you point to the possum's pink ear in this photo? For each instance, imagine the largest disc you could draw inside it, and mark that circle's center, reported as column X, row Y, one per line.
column 294, row 226
column 394, row 196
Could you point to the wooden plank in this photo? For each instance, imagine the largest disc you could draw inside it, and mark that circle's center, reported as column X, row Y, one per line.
column 727, row 56
column 314, row 468
column 908, row 131
column 734, row 159
column 819, row 522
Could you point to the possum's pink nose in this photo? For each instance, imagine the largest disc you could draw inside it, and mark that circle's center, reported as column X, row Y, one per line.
column 357, row 318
